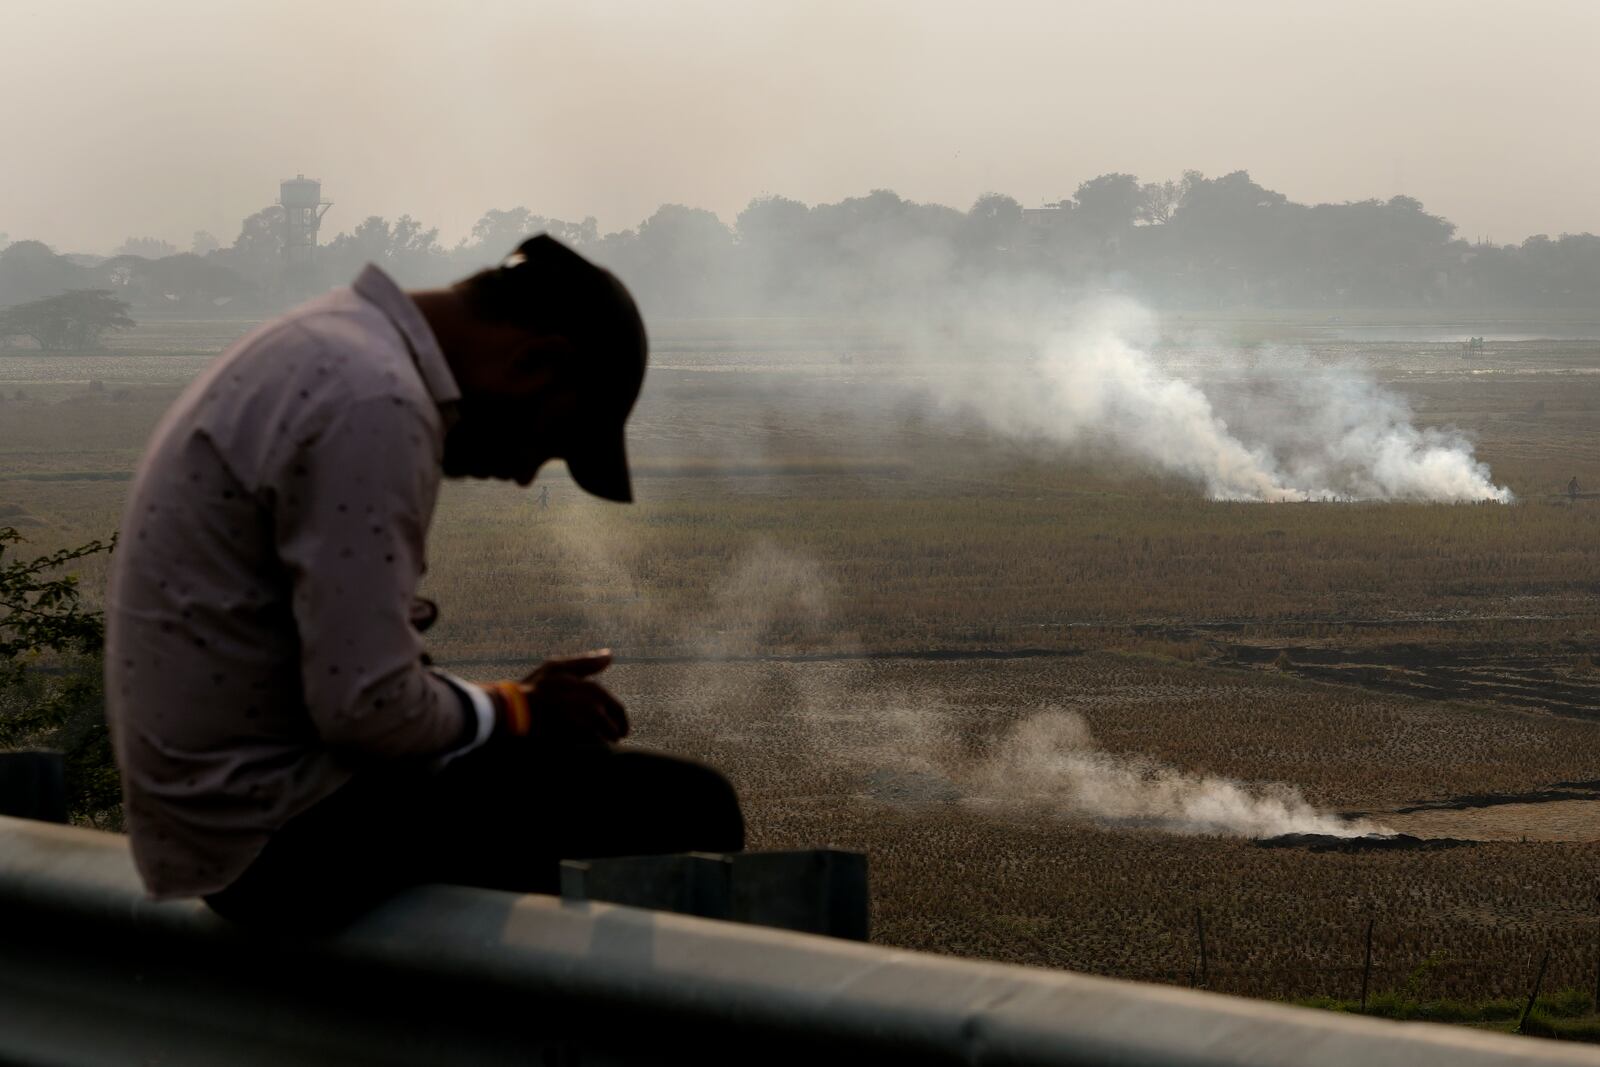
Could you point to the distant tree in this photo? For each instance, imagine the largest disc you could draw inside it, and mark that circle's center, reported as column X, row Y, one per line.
column 680, row 259
column 72, row 320
column 882, row 247
column 775, row 253
column 1238, row 235
column 1541, row 272
column 403, row 248
column 993, row 222
column 204, row 243
column 577, row 234
column 146, row 247
column 29, row 270
column 257, row 253
column 772, row 220
column 1109, row 204
column 1194, row 241
column 409, row 241
column 497, row 232
column 1157, row 202
column 184, row 282
column 504, row 230
column 1230, row 200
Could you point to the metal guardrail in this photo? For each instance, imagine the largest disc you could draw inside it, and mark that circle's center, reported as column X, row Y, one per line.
column 93, row 973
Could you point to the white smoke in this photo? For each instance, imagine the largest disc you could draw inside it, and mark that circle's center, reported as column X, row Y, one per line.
column 902, row 744
column 1300, row 432
column 1050, row 762
column 768, row 596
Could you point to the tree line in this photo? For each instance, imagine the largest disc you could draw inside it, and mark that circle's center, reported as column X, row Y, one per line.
column 1193, row 242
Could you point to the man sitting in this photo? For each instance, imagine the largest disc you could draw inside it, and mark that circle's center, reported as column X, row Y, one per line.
column 286, row 752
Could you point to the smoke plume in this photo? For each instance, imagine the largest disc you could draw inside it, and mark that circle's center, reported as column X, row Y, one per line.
column 1294, row 430
column 1049, row 762
column 901, row 744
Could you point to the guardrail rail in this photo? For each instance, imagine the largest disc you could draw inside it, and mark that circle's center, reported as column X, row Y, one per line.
column 93, row 973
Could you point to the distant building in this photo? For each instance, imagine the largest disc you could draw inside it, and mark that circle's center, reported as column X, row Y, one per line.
column 1039, row 222
column 303, row 208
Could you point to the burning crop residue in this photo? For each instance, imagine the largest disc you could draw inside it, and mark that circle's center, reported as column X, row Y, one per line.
column 1050, row 762
column 1273, row 427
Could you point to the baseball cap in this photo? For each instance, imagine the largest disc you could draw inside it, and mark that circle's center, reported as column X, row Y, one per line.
column 588, row 304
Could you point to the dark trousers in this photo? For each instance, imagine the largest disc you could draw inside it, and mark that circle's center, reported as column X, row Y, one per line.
column 500, row 817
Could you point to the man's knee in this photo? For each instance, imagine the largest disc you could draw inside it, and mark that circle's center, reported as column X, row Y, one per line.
column 700, row 798
column 719, row 811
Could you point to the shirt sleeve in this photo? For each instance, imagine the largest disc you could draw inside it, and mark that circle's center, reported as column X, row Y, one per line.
column 352, row 515
column 479, row 717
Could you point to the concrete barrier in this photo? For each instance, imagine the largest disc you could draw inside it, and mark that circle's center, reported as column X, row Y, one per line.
column 33, row 785
column 814, row 891
column 92, row 973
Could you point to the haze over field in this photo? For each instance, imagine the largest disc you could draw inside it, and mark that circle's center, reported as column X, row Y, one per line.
column 1064, row 467
column 1284, row 428
column 172, row 116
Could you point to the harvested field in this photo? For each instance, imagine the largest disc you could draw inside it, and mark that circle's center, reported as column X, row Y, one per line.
column 1558, row 820
column 861, row 608
column 881, row 755
column 1344, row 748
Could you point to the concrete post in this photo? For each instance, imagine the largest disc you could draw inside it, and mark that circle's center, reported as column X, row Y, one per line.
column 33, row 785
column 814, row 891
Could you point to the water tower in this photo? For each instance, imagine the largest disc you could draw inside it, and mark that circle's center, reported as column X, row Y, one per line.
column 303, row 208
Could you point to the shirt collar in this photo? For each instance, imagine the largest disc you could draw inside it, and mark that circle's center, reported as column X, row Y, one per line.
column 377, row 288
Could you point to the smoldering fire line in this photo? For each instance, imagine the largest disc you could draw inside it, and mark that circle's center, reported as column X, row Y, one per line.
column 1050, row 763
column 1284, row 428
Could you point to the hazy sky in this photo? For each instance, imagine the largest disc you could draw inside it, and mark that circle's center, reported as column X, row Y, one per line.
column 162, row 117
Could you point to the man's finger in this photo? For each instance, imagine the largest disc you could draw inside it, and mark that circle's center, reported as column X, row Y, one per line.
column 579, row 666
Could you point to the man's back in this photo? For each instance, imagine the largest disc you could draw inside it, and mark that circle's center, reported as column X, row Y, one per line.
column 236, row 688
column 285, row 752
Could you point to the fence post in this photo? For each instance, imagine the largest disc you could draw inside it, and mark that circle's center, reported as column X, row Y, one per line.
column 1366, row 967
column 1597, row 978
column 1533, row 994
column 33, row 785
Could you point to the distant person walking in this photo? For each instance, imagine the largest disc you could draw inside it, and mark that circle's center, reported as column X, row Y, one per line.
column 544, row 498
column 1572, row 488
column 286, row 752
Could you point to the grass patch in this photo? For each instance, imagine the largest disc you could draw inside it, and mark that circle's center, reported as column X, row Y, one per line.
column 1568, row 1014
column 76, row 476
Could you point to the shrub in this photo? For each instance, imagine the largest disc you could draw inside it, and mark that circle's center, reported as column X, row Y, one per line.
column 51, row 689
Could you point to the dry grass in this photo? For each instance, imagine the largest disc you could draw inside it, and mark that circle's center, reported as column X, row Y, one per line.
column 1279, row 924
column 770, row 521
column 1003, row 569
column 805, row 742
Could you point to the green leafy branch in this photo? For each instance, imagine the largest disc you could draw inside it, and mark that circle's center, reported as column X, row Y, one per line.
column 40, row 612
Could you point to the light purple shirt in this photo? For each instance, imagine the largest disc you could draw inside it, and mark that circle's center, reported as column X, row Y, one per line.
column 258, row 644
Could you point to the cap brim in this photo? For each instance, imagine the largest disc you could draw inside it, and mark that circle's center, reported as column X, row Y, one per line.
column 601, row 467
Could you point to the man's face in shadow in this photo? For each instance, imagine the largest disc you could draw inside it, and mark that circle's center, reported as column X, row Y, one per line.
column 508, row 438
column 523, row 404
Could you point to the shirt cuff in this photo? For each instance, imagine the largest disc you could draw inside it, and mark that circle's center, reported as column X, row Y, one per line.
column 472, row 696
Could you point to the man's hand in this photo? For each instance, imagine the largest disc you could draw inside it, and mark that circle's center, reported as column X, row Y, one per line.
column 566, row 705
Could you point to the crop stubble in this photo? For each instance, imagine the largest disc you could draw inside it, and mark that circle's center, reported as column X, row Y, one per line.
column 904, row 533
